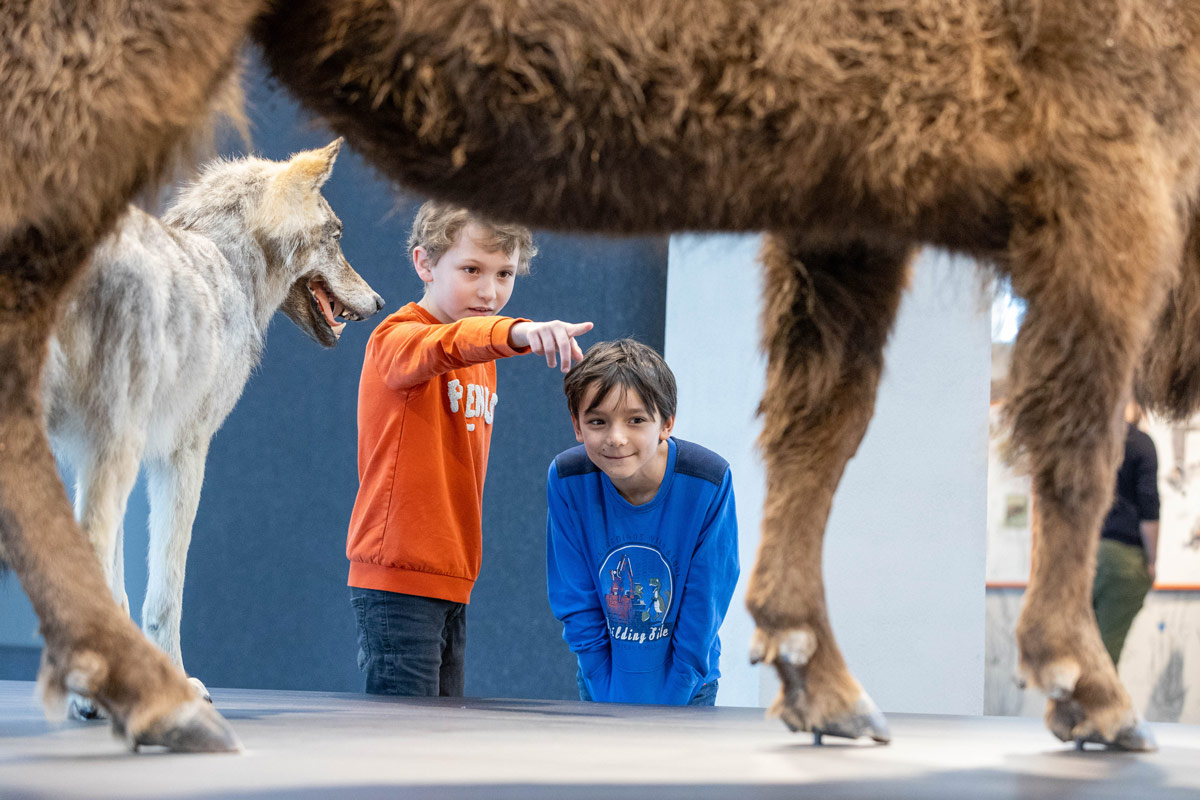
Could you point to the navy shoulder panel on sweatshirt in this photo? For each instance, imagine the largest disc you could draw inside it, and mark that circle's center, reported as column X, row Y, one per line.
column 698, row 462
column 574, row 462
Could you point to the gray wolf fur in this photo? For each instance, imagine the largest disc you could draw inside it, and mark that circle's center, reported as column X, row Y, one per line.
column 161, row 336
column 1053, row 140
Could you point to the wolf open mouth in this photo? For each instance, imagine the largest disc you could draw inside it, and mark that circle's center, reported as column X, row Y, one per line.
column 329, row 306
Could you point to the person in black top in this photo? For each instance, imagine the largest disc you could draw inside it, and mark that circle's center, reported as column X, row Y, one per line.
column 1128, row 539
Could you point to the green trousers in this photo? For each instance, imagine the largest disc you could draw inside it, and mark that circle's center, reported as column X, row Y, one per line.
column 1119, row 591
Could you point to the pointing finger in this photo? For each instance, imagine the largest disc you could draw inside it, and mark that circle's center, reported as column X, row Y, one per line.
column 548, row 348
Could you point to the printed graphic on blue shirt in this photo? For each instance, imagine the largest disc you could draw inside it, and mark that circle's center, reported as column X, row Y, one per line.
column 640, row 588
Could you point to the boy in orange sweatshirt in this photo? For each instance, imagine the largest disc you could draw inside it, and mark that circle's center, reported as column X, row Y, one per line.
column 426, row 402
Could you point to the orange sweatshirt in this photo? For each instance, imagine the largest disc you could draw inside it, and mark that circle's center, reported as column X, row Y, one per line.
column 425, row 405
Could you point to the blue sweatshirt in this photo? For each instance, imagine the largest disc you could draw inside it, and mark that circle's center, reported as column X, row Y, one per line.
column 642, row 590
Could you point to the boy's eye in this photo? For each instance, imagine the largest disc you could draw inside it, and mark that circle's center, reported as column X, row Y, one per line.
column 470, row 270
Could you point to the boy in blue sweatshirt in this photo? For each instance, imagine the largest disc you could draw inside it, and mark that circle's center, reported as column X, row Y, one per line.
column 641, row 536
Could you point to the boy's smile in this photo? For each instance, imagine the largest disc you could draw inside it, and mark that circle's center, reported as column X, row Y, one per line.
column 626, row 440
column 468, row 280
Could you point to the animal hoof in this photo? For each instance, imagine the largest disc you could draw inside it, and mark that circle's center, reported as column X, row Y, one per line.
column 824, row 702
column 1070, row 721
column 83, row 708
column 201, row 689
column 1134, row 738
column 195, row 727
column 865, row 720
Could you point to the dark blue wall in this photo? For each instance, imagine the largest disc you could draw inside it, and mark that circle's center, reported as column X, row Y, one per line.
column 265, row 603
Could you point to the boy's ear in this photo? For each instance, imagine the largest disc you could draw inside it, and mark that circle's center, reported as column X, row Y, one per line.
column 667, row 426
column 422, row 264
column 578, row 430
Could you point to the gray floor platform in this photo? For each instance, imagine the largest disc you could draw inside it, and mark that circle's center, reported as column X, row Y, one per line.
column 317, row 745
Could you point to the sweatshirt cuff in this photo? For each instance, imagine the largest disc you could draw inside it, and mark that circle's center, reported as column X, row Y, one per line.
column 680, row 687
column 500, row 332
column 591, row 661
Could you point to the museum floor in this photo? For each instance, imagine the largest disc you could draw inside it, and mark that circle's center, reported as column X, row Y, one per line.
column 317, row 745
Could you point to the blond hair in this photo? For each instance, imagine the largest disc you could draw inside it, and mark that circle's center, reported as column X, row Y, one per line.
column 438, row 225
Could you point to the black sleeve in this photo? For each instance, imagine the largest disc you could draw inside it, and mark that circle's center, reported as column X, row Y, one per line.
column 1147, row 481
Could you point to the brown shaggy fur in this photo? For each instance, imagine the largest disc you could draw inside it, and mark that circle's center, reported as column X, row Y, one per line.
column 1054, row 140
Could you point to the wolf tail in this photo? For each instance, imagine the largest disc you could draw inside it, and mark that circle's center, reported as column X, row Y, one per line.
column 1168, row 381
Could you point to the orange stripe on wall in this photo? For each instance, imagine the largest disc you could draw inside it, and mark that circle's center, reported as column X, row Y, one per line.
column 1158, row 587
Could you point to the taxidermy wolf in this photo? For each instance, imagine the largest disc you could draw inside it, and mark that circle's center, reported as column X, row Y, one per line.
column 1054, row 140
column 161, row 335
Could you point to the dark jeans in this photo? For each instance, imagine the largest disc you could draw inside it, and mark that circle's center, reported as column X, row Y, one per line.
column 409, row 645
column 706, row 695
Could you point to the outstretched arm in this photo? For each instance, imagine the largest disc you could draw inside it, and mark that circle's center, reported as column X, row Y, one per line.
column 550, row 339
column 409, row 353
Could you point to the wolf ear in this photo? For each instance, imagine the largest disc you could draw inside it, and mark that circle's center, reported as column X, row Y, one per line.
column 312, row 168
column 291, row 194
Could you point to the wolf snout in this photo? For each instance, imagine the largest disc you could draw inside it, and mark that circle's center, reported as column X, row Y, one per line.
column 361, row 306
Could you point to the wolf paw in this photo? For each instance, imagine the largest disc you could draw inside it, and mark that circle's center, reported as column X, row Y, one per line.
column 812, row 698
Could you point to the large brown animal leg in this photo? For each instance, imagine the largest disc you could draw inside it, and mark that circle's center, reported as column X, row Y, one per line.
column 96, row 96
column 91, row 647
column 1093, row 273
column 1169, row 380
column 826, row 320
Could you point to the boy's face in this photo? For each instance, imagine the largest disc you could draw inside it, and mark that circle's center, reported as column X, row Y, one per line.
column 625, row 439
column 467, row 281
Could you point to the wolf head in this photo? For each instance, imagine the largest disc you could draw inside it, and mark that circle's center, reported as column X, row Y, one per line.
column 295, row 221
column 278, row 233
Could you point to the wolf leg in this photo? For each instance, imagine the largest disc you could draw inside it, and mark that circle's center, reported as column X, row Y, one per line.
column 1093, row 272
column 118, row 569
column 174, row 487
column 105, row 480
column 826, row 318
column 101, row 497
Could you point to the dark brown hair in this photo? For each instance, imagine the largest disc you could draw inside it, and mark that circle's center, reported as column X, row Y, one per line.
column 626, row 363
